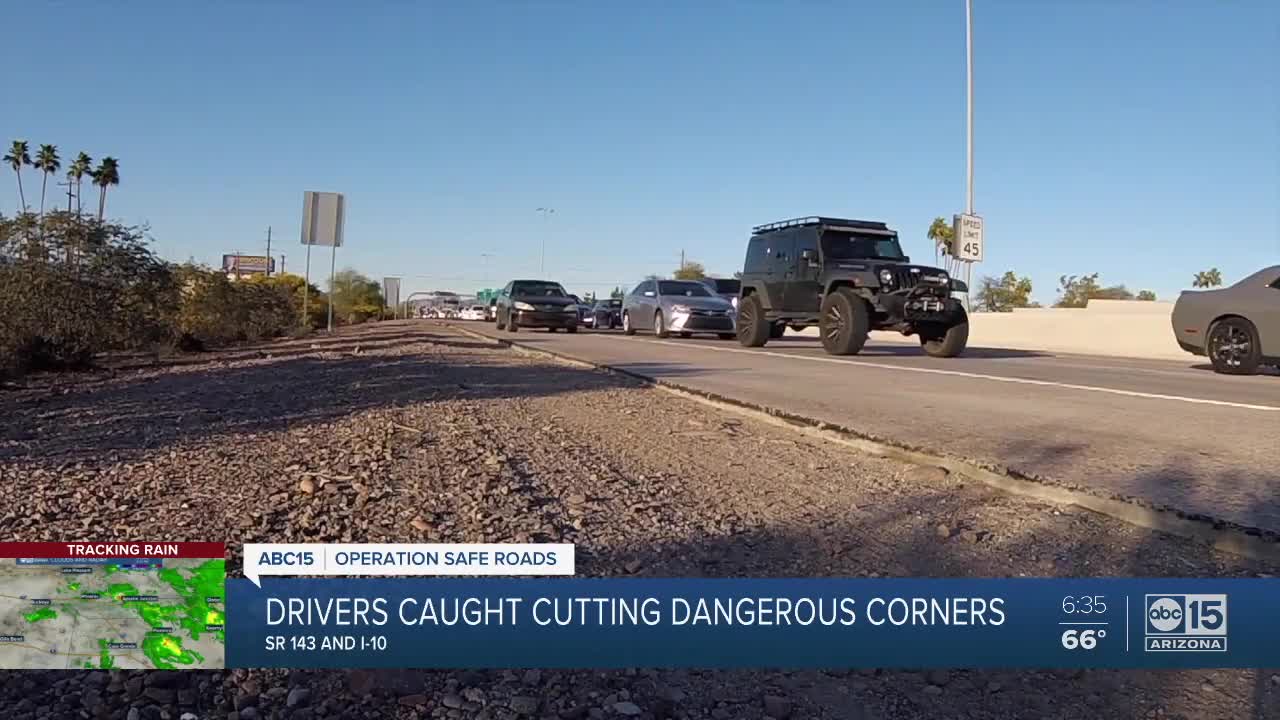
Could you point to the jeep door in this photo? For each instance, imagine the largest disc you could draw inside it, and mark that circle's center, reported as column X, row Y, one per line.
column 804, row 288
column 781, row 250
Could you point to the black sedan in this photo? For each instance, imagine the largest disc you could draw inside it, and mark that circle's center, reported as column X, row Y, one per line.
column 607, row 314
column 536, row 304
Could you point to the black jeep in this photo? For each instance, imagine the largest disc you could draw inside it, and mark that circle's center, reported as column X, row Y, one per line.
column 848, row 277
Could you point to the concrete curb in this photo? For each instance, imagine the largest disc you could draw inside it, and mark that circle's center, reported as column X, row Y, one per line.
column 1253, row 543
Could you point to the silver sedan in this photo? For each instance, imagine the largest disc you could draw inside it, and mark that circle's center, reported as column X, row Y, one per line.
column 677, row 306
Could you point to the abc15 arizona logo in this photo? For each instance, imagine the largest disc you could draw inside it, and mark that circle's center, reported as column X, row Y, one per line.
column 1186, row 623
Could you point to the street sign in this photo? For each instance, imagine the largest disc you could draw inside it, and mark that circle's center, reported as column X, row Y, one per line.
column 968, row 242
column 391, row 292
column 322, row 217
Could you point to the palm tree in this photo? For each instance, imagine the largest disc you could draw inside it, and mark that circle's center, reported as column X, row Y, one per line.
column 941, row 233
column 82, row 166
column 17, row 157
column 104, row 176
column 47, row 162
column 1207, row 278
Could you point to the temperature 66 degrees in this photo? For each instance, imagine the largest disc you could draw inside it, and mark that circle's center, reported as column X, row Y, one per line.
column 1084, row 604
column 1083, row 639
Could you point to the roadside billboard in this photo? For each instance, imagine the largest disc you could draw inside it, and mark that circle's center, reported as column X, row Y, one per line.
column 248, row 264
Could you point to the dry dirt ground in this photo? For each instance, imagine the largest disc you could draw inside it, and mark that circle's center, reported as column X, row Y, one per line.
column 407, row 432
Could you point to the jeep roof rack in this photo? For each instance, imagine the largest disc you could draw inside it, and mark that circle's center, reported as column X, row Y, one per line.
column 817, row 220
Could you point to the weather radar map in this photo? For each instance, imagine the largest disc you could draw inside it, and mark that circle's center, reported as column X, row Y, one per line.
column 112, row 606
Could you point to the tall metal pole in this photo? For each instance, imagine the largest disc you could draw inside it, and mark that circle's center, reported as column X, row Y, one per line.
column 306, row 290
column 333, row 271
column 269, row 251
column 968, row 46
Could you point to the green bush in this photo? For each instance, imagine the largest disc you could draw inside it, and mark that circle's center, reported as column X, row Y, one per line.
column 217, row 311
column 356, row 298
column 72, row 288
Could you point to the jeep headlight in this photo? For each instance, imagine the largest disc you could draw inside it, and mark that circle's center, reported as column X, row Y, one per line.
column 734, row 302
column 886, row 277
column 522, row 305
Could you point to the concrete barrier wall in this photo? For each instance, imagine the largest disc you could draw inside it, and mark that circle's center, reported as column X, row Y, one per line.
column 1121, row 328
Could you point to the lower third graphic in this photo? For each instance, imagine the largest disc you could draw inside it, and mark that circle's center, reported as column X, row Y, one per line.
column 1186, row 623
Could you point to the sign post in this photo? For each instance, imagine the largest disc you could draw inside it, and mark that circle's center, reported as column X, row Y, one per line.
column 323, row 214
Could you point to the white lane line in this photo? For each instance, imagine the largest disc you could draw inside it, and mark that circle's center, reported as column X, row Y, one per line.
column 973, row 375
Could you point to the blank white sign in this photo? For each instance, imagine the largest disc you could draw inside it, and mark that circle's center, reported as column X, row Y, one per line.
column 322, row 217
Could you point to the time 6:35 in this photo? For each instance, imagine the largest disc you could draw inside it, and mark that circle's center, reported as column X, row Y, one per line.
column 1084, row 604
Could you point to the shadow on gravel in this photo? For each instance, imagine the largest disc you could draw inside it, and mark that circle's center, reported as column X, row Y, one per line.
column 341, row 342
column 115, row 420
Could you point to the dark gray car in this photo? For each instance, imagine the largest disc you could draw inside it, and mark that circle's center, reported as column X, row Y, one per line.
column 1237, row 327
column 677, row 306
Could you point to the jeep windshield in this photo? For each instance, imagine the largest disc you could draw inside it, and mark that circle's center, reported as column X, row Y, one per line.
column 725, row 286
column 541, row 289
column 837, row 245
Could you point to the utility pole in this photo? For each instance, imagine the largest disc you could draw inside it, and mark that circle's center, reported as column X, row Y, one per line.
column 546, row 225
column 281, row 263
column 70, row 195
column 682, row 260
column 268, row 251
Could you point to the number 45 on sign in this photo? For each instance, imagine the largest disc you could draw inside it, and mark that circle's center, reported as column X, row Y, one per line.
column 967, row 230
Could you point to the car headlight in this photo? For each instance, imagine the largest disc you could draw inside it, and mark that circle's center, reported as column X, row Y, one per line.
column 734, row 302
column 680, row 308
column 886, row 277
column 522, row 305
column 570, row 308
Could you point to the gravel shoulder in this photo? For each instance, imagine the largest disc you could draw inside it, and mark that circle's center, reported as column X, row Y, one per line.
column 409, row 432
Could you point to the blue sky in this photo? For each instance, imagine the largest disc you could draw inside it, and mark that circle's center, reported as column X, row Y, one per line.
column 1139, row 139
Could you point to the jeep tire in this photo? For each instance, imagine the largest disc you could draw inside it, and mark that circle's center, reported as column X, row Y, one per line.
column 946, row 342
column 776, row 331
column 753, row 328
column 845, row 322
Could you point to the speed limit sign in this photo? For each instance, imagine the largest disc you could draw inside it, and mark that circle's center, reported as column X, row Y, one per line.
column 967, row 244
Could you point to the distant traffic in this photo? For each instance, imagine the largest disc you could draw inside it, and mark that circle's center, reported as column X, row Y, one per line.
column 846, row 278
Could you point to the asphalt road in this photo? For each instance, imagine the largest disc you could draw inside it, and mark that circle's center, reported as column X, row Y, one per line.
column 1171, row 433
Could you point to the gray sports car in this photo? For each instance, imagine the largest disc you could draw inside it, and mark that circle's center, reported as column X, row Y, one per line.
column 1237, row 327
